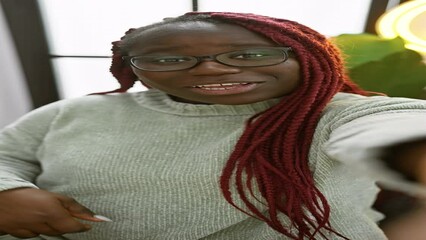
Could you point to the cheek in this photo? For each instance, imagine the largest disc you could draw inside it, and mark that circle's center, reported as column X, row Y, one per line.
column 288, row 74
column 295, row 78
column 144, row 79
column 160, row 77
column 149, row 78
column 294, row 73
column 141, row 75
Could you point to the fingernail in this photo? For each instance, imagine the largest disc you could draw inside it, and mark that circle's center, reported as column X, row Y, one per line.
column 103, row 218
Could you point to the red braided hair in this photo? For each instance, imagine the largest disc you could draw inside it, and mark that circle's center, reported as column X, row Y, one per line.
column 120, row 69
column 272, row 153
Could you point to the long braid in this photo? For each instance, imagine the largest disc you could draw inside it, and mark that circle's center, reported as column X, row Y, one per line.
column 280, row 137
column 272, row 153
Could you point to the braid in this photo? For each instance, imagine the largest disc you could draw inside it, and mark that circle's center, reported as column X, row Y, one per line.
column 120, row 69
column 275, row 145
column 272, row 153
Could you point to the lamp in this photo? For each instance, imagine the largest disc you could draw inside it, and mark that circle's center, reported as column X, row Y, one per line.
column 407, row 21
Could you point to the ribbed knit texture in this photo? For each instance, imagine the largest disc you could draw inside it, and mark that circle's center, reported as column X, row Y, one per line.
column 152, row 165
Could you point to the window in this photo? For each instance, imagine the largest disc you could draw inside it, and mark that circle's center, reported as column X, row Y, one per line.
column 80, row 31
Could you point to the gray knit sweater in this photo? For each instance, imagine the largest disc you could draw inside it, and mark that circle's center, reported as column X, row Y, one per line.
column 152, row 164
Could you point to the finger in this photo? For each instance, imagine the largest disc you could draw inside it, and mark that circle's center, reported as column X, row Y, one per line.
column 64, row 222
column 69, row 225
column 77, row 210
column 22, row 233
column 45, row 230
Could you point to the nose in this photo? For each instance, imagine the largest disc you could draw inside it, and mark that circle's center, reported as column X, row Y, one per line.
column 209, row 67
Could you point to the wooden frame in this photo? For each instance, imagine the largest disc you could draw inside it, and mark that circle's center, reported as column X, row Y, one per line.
column 24, row 20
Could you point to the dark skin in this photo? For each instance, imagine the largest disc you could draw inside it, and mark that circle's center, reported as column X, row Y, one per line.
column 200, row 39
column 28, row 212
column 410, row 159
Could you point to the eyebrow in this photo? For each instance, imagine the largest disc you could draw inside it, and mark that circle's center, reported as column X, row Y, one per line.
column 154, row 49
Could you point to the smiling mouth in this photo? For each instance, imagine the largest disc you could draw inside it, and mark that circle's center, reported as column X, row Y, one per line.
column 224, row 88
column 220, row 86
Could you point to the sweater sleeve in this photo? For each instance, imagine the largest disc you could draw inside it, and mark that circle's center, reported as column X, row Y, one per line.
column 366, row 137
column 19, row 144
column 361, row 141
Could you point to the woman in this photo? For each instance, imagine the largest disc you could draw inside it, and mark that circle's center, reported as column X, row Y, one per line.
column 242, row 135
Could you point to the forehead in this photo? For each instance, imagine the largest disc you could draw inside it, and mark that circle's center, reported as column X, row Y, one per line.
column 202, row 34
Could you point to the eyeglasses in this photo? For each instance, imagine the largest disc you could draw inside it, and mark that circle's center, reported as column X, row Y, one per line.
column 251, row 57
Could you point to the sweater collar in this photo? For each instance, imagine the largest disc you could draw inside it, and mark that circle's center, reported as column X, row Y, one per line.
column 159, row 101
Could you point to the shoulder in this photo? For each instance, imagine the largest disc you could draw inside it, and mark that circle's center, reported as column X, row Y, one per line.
column 358, row 106
column 348, row 100
column 91, row 104
column 95, row 100
column 346, row 107
column 360, row 128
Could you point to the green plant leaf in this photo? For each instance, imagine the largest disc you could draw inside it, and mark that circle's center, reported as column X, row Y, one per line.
column 401, row 74
column 363, row 48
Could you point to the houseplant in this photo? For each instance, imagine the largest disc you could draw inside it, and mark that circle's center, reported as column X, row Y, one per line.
column 384, row 65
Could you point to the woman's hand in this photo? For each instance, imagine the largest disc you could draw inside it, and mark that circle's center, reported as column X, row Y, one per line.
column 410, row 159
column 28, row 212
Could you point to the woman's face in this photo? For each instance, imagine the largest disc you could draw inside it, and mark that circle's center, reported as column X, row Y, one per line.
column 200, row 84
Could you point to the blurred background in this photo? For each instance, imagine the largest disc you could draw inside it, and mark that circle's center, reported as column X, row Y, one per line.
column 57, row 49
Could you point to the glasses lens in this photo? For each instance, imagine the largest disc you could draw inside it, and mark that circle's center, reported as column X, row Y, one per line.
column 253, row 57
column 163, row 63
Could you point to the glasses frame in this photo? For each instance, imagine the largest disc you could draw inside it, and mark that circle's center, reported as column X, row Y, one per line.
column 199, row 59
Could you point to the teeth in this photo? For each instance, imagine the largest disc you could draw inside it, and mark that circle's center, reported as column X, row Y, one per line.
column 210, row 85
column 216, row 88
column 219, row 86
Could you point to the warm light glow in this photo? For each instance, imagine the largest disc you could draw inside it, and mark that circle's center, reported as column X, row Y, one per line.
column 407, row 21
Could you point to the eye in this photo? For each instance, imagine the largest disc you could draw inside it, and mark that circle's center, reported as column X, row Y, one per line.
column 169, row 59
column 251, row 55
